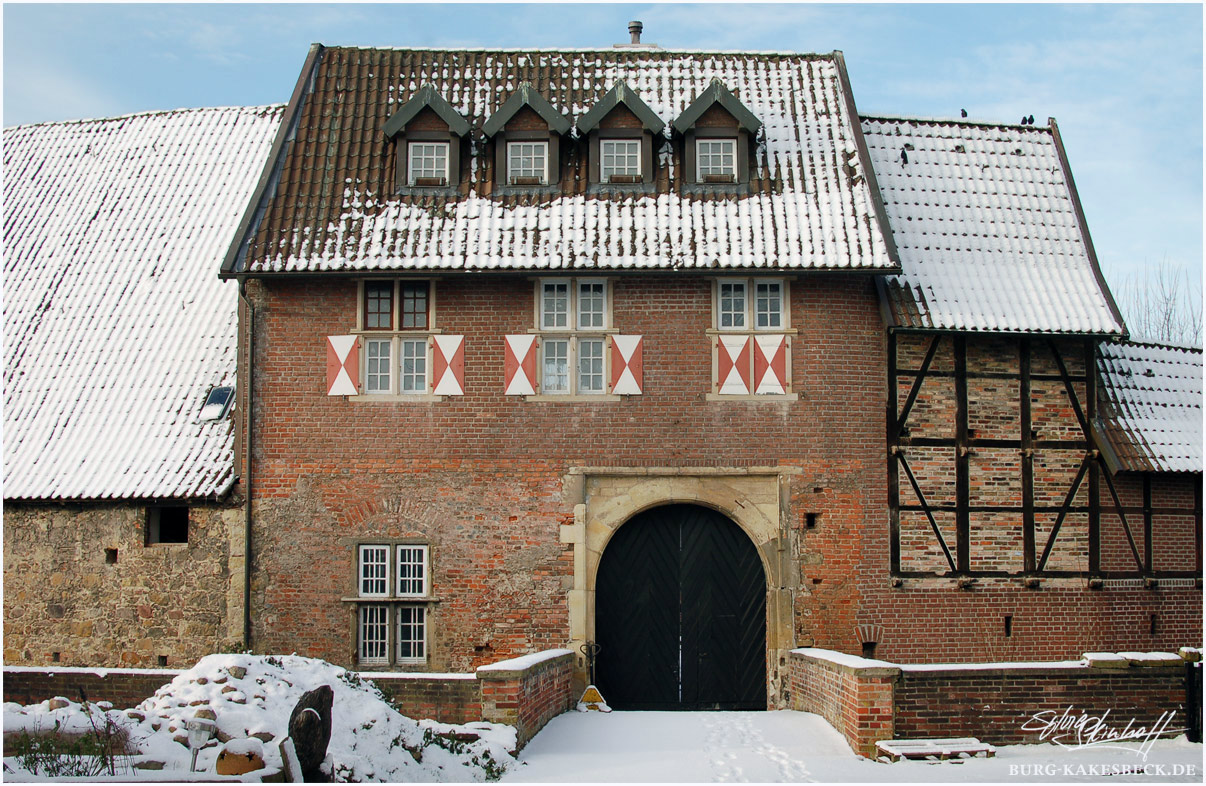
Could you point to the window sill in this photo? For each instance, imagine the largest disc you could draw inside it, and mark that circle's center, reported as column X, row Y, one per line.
column 393, row 398
column 751, row 332
column 577, row 398
column 391, row 599
column 769, row 398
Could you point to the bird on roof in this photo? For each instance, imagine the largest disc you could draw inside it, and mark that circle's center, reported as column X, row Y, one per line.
column 1023, row 120
column 1030, row 120
column 962, row 113
column 904, row 157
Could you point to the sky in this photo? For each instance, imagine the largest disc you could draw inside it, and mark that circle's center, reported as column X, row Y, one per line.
column 1124, row 82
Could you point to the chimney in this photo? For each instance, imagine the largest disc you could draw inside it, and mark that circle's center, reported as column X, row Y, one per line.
column 634, row 30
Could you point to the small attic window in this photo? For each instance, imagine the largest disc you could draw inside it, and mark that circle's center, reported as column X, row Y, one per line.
column 217, row 404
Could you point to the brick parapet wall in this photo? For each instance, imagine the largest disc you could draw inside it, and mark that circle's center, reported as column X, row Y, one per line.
column 868, row 700
column 124, row 687
column 442, row 698
column 529, row 695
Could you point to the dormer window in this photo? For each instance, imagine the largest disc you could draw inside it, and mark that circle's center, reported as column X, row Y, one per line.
column 427, row 134
column 428, row 163
column 621, row 160
column 620, row 129
column 528, row 163
column 716, row 130
column 716, row 160
column 526, row 132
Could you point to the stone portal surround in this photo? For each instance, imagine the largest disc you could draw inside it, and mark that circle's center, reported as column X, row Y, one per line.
column 753, row 497
column 870, row 700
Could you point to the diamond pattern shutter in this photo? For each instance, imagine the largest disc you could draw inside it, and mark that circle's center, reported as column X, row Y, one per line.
column 733, row 365
column 519, row 365
column 343, row 365
column 449, row 365
column 770, row 364
column 627, row 365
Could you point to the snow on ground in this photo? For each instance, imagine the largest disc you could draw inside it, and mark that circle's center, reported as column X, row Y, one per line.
column 702, row 747
column 249, row 694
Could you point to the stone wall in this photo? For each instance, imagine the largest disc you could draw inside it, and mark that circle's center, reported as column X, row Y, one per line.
column 82, row 587
column 527, row 692
column 124, row 687
column 853, row 694
column 446, row 698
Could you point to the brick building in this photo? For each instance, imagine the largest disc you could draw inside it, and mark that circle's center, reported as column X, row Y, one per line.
column 548, row 347
column 669, row 351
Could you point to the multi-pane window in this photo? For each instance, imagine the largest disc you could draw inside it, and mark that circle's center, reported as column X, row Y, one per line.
column 377, row 375
column 374, row 571
column 527, row 162
column 737, row 310
column 379, row 305
column 412, row 634
column 413, row 376
column 716, row 160
column 428, row 163
column 412, row 570
column 374, row 634
column 408, row 574
column 398, row 364
column 620, row 159
column 573, row 356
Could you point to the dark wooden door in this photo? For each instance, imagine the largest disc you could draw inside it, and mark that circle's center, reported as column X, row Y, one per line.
column 680, row 614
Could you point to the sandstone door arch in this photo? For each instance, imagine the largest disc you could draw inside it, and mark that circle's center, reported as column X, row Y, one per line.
column 680, row 613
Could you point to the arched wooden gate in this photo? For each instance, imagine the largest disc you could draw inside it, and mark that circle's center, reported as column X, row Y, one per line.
column 680, row 614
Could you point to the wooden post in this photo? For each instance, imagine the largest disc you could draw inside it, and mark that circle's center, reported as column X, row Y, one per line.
column 893, row 470
column 962, row 481
column 1027, row 455
column 1147, row 523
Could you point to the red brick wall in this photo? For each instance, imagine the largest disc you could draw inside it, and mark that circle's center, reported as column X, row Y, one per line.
column 124, row 688
column 995, row 704
column 480, row 475
column 857, row 701
column 437, row 698
column 530, row 697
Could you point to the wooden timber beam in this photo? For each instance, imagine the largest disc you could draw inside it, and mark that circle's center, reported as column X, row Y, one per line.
column 928, row 513
column 916, row 388
column 893, row 470
column 962, row 464
column 1090, row 361
column 1028, row 533
column 1147, row 522
column 1059, row 520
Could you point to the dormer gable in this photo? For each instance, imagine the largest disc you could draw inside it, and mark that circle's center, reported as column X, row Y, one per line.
column 526, row 132
column 716, row 128
column 427, row 134
column 621, row 94
column 620, row 130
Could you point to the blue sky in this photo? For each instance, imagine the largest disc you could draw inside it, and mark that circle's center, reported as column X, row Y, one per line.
column 1124, row 82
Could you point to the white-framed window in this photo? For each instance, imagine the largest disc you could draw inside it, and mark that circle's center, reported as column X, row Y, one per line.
column 427, row 163
column 396, row 316
column 412, row 571
column 392, row 625
column 716, row 160
column 374, row 634
column 411, row 633
column 528, row 163
column 574, row 316
column 373, row 571
column 750, row 304
column 619, row 158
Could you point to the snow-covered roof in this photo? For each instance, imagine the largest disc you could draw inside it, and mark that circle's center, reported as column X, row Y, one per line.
column 115, row 322
column 336, row 207
column 1151, row 406
column 988, row 230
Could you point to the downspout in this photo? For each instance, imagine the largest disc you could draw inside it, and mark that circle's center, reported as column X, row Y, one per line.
column 249, row 342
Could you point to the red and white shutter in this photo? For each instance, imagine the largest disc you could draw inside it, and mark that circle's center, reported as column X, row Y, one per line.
column 519, row 365
column 449, row 365
column 770, row 364
column 343, row 365
column 627, row 365
column 733, row 365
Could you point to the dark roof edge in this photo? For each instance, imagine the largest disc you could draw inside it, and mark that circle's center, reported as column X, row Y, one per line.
column 1084, row 226
column 272, row 166
column 864, row 158
column 565, row 272
column 717, row 93
column 885, row 305
column 1103, row 337
column 426, row 96
column 1128, row 341
column 526, row 95
column 1108, row 453
column 621, row 93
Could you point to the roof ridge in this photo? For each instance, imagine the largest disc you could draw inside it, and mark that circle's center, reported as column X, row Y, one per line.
column 1160, row 345
column 575, row 50
column 951, row 121
column 146, row 113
